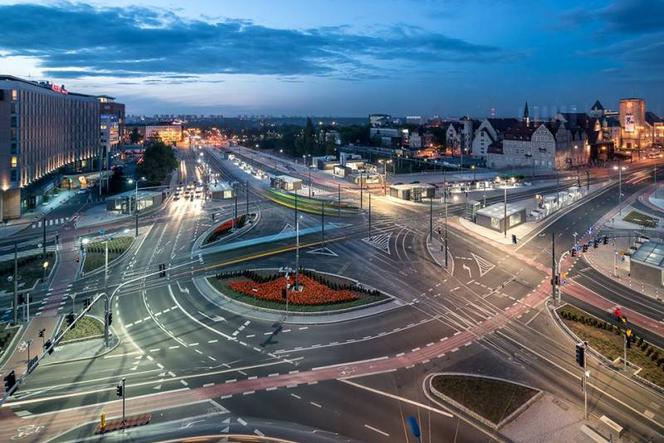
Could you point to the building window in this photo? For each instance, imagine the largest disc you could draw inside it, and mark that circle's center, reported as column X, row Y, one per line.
column 13, row 161
column 14, row 95
column 13, row 148
column 13, row 176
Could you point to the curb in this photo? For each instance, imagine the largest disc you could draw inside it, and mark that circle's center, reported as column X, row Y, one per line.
column 203, row 280
column 198, row 246
column 101, row 354
column 110, row 263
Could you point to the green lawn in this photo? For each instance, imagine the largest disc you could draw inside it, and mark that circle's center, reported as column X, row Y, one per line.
column 6, row 335
column 95, row 252
column 30, row 269
column 641, row 219
column 492, row 399
column 610, row 344
column 87, row 327
column 312, row 205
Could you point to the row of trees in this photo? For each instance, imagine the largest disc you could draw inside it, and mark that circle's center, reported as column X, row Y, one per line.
column 158, row 162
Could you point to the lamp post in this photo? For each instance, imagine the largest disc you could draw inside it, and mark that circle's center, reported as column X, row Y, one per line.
column 620, row 169
column 135, row 200
column 474, row 172
column 45, row 266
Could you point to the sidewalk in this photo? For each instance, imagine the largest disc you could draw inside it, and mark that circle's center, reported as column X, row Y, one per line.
column 13, row 226
column 99, row 215
column 82, row 350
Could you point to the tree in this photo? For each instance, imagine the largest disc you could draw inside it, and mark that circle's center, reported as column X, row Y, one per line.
column 116, row 182
column 157, row 163
column 134, row 136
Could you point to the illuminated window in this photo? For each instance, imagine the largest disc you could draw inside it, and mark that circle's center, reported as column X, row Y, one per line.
column 13, row 161
column 14, row 95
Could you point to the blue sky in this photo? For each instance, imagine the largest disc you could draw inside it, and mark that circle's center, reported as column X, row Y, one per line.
column 341, row 57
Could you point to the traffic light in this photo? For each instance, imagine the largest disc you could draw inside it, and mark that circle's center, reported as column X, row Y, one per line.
column 118, row 390
column 585, row 247
column 70, row 320
column 86, row 302
column 556, row 279
column 513, row 239
column 605, row 240
column 162, row 270
column 628, row 337
column 41, row 333
column 595, row 243
column 572, row 252
column 284, row 293
column 213, row 217
column 580, row 354
column 10, row 380
column 110, row 318
column 21, row 299
column 47, row 345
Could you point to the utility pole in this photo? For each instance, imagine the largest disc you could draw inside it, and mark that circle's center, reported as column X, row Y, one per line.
column 295, row 208
column 309, row 182
column 107, row 317
column 361, row 189
column 124, row 396
column 505, row 213
column 445, row 199
column 235, row 210
column 44, row 237
column 553, row 267
column 369, row 215
column 587, row 180
column 247, row 193
column 322, row 221
column 431, row 216
column 15, row 283
column 297, row 254
column 585, row 381
column 338, row 199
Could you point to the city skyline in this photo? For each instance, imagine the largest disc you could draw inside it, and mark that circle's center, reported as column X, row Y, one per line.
column 404, row 57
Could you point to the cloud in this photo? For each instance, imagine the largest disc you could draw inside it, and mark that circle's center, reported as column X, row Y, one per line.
column 75, row 40
column 620, row 16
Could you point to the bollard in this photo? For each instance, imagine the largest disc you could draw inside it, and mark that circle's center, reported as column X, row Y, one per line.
column 102, row 422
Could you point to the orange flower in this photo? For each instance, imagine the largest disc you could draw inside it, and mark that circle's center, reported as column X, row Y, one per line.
column 313, row 292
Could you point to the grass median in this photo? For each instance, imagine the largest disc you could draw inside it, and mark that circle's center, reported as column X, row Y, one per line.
column 30, row 270
column 95, row 252
column 86, row 328
column 641, row 219
column 495, row 400
column 607, row 339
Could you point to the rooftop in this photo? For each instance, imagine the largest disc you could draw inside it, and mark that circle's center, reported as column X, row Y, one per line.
column 651, row 253
column 498, row 210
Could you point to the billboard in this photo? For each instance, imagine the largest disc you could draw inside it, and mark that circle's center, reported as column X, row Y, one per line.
column 629, row 122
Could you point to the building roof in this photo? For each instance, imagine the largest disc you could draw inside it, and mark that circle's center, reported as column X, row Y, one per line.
column 502, row 124
column 44, row 85
column 498, row 210
column 597, row 106
column 651, row 253
column 652, row 118
column 289, row 179
column 409, row 186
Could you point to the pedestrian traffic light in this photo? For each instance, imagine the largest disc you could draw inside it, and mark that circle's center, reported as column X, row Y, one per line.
column 213, row 216
column 70, row 320
column 605, row 240
column 110, row 318
column 513, row 239
column 10, row 380
column 21, row 299
column 585, row 248
column 581, row 354
column 47, row 346
column 118, row 390
column 41, row 333
column 572, row 252
column 162, row 270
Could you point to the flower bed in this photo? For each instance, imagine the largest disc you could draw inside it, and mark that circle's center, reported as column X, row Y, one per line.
column 225, row 228
column 319, row 292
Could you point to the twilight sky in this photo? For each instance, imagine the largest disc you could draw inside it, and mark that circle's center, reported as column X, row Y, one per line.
column 343, row 57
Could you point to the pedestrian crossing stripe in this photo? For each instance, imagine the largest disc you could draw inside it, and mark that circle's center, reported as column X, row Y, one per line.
column 380, row 241
column 484, row 265
column 323, row 251
column 50, row 222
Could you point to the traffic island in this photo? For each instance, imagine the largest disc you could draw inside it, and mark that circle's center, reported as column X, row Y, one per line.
column 117, row 423
column 95, row 252
column 87, row 328
column 645, row 360
column 235, row 226
column 316, row 292
column 329, row 207
column 492, row 401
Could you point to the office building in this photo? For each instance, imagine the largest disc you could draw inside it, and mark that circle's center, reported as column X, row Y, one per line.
column 43, row 128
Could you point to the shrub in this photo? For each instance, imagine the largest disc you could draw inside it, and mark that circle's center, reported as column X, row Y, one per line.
column 649, row 351
column 654, row 356
column 640, row 341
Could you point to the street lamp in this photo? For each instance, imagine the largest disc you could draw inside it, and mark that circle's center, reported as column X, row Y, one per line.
column 620, row 169
column 45, row 266
column 474, row 172
column 135, row 200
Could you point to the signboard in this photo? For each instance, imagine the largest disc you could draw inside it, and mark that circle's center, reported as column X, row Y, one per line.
column 629, row 122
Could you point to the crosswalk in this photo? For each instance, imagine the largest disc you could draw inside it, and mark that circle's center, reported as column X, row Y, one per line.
column 50, row 222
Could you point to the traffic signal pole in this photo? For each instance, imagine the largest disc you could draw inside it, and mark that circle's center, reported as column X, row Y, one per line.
column 15, row 304
column 553, row 267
